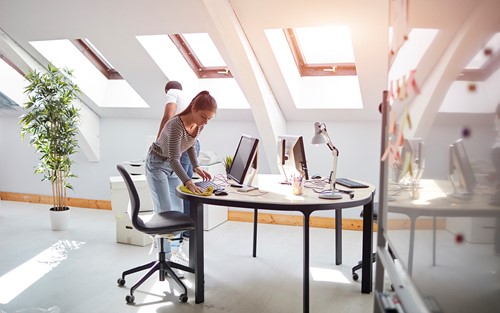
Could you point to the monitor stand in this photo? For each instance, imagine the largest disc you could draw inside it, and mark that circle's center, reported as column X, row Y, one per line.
column 458, row 192
column 330, row 195
column 242, row 188
column 246, row 188
column 461, row 196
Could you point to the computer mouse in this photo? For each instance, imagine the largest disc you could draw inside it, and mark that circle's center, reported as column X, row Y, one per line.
column 316, row 177
column 220, row 193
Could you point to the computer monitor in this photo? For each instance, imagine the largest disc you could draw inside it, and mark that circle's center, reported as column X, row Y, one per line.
column 292, row 157
column 460, row 172
column 412, row 162
column 244, row 166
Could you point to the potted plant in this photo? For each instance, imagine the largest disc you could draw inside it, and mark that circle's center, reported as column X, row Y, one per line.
column 52, row 120
column 228, row 161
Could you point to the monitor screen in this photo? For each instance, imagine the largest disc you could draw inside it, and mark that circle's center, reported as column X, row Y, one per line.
column 292, row 157
column 244, row 159
column 412, row 162
column 460, row 173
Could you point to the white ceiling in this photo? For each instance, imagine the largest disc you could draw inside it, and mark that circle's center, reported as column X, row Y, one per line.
column 237, row 28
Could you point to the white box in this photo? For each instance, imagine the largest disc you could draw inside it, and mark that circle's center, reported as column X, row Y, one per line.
column 120, row 201
column 126, row 233
column 120, row 197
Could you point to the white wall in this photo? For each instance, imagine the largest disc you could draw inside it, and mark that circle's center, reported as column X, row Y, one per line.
column 121, row 140
column 125, row 139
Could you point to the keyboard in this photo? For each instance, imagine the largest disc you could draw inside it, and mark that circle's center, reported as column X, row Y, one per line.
column 349, row 183
column 207, row 183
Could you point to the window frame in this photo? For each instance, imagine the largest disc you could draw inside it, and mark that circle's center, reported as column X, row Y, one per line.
column 194, row 62
column 320, row 69
column 94, row 57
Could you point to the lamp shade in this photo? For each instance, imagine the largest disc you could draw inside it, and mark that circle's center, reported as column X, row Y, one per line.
column 319, row 134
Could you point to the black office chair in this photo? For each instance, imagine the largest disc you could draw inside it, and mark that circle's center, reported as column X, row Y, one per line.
column 374, row 254
column 165, row 224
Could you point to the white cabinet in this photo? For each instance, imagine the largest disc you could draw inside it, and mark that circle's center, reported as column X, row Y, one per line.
column 125, row 232
column 474, row 230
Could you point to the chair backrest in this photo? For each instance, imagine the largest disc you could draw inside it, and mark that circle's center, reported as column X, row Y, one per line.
column 135, row 202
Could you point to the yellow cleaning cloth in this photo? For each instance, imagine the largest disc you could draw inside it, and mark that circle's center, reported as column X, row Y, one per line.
column 207, row 191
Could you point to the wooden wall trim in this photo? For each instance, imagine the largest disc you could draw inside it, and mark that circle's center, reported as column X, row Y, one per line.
column 241, row 216
column 72, row 202
column 329, row 222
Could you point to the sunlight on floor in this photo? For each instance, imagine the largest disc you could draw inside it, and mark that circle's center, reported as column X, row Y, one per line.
column 19, row 279
column 162, row 290
column 328, row 275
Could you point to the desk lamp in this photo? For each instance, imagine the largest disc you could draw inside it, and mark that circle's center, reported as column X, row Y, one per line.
column 321, row 137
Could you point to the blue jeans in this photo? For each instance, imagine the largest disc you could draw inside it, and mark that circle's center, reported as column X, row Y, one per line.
column 186, row 163
column 162, row 182
column 188, row 167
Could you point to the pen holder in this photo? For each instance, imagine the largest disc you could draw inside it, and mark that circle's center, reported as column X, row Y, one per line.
column 297, row 186
column 415, row 190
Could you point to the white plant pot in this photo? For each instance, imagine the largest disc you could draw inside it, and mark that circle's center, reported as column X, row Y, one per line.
column 59, row 220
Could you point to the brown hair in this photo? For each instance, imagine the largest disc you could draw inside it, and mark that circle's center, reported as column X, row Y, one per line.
column 498, row 110
column 202, row 101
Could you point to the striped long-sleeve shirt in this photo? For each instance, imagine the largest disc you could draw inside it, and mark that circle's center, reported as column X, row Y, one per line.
column 172, row 142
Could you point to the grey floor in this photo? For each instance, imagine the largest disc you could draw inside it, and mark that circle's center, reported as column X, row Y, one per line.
column 76, row 270
column 465, row 278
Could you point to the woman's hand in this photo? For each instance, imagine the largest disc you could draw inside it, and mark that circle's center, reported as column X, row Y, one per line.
column 192, row 187
column 203, row 174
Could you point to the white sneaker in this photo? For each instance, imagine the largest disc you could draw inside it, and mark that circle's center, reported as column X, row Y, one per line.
column 180, row 258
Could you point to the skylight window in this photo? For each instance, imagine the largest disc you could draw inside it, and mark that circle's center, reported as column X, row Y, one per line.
column 192, row 70
column 12, row 65
column 491, row 48
column 318, row 66
column 202, row 55
column 410, row 54
column 96, row 57
column 322, row 51
column 13, row 83
column 97, row 87
column 484, row 63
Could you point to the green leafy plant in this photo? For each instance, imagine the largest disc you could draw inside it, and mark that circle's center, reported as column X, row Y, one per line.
column 52, row 122
column 228, row 161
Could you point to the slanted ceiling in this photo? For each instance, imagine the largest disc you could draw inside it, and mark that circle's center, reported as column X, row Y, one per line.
column 237, row 28
column 233, row 25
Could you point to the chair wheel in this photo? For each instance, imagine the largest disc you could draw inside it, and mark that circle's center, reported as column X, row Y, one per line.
column 355, row 276
column 129, row 299
column 121, row 281
column 183, row 298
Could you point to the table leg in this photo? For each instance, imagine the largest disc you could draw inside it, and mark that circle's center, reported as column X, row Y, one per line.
column 497, row 236
column 196, row 251
column 367, row 269
column 255, row 220
column 412, row 244
column 306, row 263
column 338, row 236
column 433, row 241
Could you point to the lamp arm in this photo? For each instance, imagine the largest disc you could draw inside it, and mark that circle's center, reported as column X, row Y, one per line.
column 333, row 174
column 330, row 145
